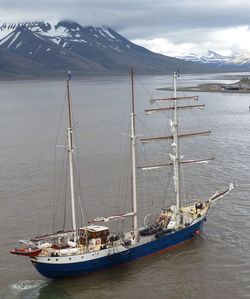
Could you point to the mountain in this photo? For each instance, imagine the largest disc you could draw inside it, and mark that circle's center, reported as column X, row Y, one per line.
column 212, row 58
column 215, row 58
column 42, row 49
column 242, row 59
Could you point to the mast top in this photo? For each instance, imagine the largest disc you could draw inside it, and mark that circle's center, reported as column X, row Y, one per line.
column 132, row 91
column 69, row 102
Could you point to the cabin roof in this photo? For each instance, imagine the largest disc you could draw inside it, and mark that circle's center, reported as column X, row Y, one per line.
column 96, row 228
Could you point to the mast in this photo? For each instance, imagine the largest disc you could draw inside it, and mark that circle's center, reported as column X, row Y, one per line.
column 176, row 159
column 133, row 148
column 175, row 156
column 70, row 156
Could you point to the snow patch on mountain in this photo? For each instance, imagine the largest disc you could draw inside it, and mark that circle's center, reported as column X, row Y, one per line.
column 105, row 32
column 6, row 38
column 242, row 59
column 40, row 27
column 19, row 44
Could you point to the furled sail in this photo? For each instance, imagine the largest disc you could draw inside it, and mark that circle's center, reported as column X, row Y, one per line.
column 150, row 111
column 174, row 99
column 115, row 217
column 162, row 138
column 198, row 161
column 217, row 195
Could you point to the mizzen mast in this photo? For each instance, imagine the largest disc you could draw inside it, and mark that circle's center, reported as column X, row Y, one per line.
column 70, row 156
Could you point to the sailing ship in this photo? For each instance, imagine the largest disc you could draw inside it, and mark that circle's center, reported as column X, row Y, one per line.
column 94, row 247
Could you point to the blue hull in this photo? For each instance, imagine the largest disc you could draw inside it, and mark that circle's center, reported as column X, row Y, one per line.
column 82, row 268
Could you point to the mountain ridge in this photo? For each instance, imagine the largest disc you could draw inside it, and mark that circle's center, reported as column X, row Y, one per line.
column 48, row 49
column 212, row 57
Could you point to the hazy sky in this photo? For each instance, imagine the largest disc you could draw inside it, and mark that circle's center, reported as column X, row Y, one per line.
column 169, row 27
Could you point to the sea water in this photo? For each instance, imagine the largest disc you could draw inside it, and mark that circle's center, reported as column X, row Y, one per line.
column 215, row 265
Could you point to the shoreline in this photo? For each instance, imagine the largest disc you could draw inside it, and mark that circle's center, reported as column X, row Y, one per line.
column 206, row 88
column 242, row 86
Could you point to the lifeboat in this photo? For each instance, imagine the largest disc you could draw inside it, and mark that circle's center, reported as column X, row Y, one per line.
column 26, row 251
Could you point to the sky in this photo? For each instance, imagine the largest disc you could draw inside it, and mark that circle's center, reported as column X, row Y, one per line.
column 169, row 27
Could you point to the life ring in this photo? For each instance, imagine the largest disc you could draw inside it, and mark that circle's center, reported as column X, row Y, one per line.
column 45, row 252
column 98, row 242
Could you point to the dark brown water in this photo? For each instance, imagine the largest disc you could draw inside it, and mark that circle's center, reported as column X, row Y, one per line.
column 217, row 265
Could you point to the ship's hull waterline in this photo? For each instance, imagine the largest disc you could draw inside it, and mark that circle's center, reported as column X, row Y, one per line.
column 56, row 267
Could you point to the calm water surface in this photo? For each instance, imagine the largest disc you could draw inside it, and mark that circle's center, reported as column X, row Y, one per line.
column 217, row 265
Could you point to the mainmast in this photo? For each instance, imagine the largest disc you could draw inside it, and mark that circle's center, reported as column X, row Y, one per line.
column 176, row 145
column 133, row 148
column 134, row 167
column 70, row 155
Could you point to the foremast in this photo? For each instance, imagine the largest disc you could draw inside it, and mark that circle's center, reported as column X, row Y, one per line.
column 70, row 157
column 176, row 160
column 176, row 145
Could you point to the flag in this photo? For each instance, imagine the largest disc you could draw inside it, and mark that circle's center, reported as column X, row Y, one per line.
column 69, row 74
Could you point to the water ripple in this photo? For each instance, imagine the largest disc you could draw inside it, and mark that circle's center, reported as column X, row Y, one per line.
column 27, row 288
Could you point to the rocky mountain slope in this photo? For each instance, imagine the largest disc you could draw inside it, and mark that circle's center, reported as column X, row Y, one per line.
column 42, row 49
